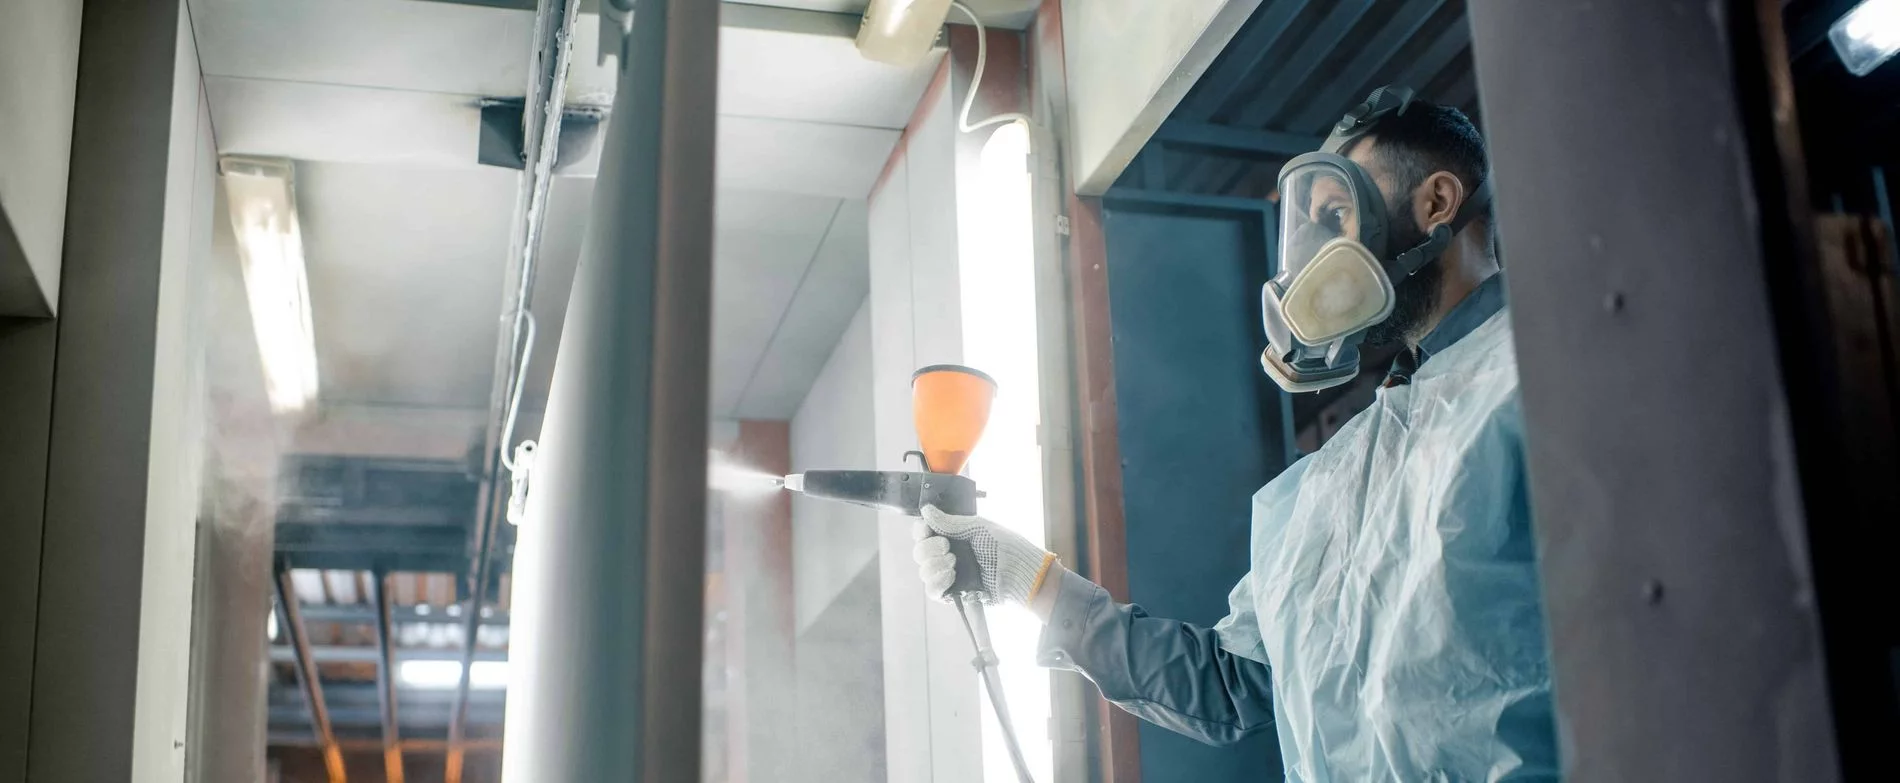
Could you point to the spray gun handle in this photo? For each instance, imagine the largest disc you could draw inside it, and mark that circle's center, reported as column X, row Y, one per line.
column 969, row 581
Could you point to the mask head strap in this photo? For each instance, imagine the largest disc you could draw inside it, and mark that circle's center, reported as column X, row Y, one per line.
column 1382, row 103
column 1422, row 253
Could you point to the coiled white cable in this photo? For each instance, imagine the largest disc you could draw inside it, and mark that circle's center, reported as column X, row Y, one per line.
column 976, row 80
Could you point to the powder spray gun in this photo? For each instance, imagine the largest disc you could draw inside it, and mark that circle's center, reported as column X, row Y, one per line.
column 951, row 405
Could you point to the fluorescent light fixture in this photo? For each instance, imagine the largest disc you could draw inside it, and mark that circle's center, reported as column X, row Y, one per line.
column 1867, row 36
column 996, row 273
column 443, row 675
column 262, row 196
column 901, row 32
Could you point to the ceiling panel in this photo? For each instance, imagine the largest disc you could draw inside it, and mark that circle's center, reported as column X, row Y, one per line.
column 834, row 6
column 815, row 79
column 1013, row 14
column 396, row 44
column 332, row 123
column 820, row 311
column 809, row 72
column 407, row 237
column 766, row 325
column 405, row 280
column 570, row 205
column 327, row 122
column 801, row 157
column 757, row 268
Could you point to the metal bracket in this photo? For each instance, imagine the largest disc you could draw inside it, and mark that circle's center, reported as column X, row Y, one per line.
column 616, row 22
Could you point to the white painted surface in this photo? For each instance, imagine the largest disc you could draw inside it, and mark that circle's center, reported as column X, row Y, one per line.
column 405, row 280
column 406, row 236
column 39, row 68
column 426, row 131
column 335, row 123
column 1129, row 63
column 760, row 153
column 819, row 312
column 833, row 542
column 177, row 440
column 388, row 44
column 932, row 728
column 1012, row 14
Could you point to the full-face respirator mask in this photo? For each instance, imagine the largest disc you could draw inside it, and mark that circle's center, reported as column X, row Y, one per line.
column 1337, row 274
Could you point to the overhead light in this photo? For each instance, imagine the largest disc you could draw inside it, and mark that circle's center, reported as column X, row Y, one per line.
column 263, row 204
column 1867, row 36
column 443, row 675
column 901, row 32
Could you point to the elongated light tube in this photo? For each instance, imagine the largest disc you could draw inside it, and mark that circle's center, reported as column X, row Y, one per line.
column 262, row 196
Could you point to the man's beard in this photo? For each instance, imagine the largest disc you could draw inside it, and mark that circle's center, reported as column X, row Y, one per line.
column 1415, row 297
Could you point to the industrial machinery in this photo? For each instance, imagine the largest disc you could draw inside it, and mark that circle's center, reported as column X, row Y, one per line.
column 950, row 405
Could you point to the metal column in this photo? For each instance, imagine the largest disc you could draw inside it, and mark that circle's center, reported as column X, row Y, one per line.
column 1645, row 218
column 609, row 579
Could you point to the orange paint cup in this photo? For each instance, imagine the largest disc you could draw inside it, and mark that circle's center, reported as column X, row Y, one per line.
column 950, row 405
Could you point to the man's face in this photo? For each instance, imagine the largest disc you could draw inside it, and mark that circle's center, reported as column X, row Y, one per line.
column 1329, row 205
column 1416, row 296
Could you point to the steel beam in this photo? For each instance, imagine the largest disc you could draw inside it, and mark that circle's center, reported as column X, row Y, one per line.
column 369, row 695
column 610, row 569
column 339, row 654
column 284, row 739
column 1243, row 57
column 1454, row 40
column 360, row 614
column 386, row 679
column 1646, row 210
column 366, row 719
column 1234, row 142
column 1323, row 40
column 307, row 675
column 1324, row 108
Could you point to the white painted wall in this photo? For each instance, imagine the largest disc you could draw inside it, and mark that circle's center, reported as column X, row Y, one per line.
column 833, row 542
column 1129, row 63
column 173, row 484
column 39, row 68
column 932, row 724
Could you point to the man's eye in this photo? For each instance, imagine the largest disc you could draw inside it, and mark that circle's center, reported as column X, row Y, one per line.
column 1335, row 218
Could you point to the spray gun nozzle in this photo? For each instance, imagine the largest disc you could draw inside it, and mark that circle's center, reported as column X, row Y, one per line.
column 794, row 482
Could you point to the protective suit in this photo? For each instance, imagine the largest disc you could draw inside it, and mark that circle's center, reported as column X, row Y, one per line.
column 1391, row 618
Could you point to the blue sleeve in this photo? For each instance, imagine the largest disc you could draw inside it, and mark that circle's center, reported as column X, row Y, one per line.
column 1169, row 673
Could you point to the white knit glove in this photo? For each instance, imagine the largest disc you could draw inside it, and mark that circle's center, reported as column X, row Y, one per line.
column 1008, row 567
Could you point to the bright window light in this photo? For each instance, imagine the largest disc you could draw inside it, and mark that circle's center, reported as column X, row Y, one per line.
column 263, row 206
column 997, row 276
column 443, row 675
column 1867, row 36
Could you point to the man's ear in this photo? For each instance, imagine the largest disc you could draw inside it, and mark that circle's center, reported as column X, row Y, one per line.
column 1437, row 200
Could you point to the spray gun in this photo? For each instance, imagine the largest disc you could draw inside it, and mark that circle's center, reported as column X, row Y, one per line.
column 950, row 405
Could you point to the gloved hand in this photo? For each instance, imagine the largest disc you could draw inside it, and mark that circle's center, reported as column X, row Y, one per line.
column 1008, row 567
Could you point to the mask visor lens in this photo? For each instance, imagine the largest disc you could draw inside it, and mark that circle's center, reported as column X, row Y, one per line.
column 1318, row 204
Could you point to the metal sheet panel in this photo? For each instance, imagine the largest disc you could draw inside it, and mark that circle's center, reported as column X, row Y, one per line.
column 1201, row 427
